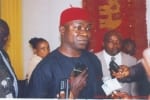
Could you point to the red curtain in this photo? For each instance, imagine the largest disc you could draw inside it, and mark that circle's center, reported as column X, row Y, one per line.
column 127, row 16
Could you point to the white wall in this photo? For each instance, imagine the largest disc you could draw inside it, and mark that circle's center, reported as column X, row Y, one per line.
column 41, row 19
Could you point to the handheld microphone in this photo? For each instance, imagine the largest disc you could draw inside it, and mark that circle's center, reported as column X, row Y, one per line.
column 113, row 66
column 78, row 69
column 64, row 87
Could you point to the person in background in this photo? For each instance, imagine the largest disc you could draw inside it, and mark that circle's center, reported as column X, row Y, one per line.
column 112, row 44
column 70, row 61
column 129, row 46
column 8, row 79
column 40, row 49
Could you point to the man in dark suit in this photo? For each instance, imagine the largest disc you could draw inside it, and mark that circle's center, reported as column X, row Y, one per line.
column 8, row 80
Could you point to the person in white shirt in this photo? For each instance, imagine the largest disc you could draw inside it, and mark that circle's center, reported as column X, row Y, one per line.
column 40, row 49
column 112, row 44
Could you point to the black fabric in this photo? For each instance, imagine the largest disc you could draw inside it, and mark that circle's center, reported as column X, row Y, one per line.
column 22, row 88
column 6, row 79
column 143, row 87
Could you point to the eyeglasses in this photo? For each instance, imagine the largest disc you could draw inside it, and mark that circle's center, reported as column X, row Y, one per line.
column 80, row 27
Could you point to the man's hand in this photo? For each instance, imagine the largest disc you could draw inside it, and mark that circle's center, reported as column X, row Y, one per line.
column 123, row 72
column 120, row 95
column 78, row 83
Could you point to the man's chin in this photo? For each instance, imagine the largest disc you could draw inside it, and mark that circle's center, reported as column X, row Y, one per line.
column 114, row 53
column 82, row 47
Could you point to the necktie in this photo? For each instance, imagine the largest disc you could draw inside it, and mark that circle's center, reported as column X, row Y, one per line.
column 113, row 65
column 12, row 73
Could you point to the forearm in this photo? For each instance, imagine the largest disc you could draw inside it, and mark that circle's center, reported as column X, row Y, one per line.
column 137, row 72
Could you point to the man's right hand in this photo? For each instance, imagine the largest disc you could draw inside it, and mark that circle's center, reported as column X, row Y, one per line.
column 78, row 83
column 123, row 72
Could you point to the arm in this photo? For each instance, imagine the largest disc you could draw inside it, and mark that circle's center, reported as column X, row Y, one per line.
column 137, row 72
column 40, row 83
column 129, row 74
column 146, row 61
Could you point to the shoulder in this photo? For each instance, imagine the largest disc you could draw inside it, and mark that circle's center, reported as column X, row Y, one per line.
column 128, row 60
column 128, row 56
column 35, row 58
column 99, row 53
column 49, row 61
column 89, row 54
column 92, row 57
column 51, row 56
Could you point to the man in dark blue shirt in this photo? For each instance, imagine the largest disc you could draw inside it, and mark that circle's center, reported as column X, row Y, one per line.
column 45, row 81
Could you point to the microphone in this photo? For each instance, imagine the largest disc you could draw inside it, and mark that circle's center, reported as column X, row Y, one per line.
column 113, row 65
column 64, row 88
column 78, row 69
column 65, row 83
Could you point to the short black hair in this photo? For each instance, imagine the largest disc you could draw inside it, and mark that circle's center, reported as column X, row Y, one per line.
column 35, row 41
column 129, row 41
column 108, row 34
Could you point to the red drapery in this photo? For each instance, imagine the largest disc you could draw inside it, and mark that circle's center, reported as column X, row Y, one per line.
column 127, row 16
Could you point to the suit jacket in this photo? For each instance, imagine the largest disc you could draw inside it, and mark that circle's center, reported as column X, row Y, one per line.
column 6, row 76
column 126, row 59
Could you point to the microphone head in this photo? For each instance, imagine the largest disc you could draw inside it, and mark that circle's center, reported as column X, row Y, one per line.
column 113, row 66
column 78, row 69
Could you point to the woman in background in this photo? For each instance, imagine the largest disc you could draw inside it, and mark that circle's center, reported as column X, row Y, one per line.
column 40, row 49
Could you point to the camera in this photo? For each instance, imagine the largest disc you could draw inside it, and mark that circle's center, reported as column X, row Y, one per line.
column 78, row 69
column 113, row 66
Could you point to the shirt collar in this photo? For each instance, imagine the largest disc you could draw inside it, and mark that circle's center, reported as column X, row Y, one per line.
column 108, row 57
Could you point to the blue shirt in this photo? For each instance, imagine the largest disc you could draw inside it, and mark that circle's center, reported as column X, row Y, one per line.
column 45, row 79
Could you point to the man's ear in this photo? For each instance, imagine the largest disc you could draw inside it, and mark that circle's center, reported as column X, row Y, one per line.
column 62, row 30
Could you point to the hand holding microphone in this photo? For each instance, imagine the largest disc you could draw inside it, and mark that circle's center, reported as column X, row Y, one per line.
column 122, row 72
column 78, row 79
column 70, row 88
column 113, row 66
